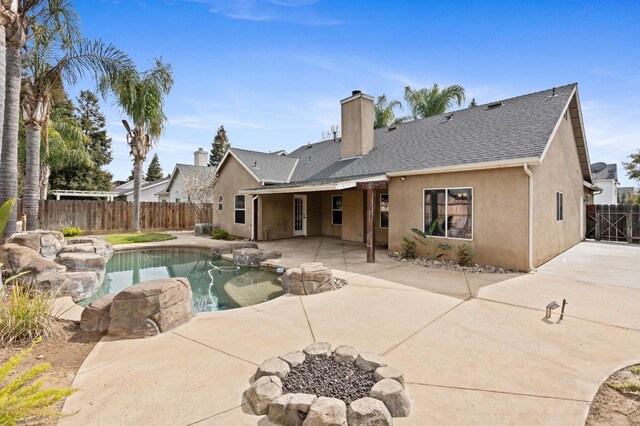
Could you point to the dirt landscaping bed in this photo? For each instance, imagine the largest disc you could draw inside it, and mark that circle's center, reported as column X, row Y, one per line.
column 619, row 406
column 65, row 351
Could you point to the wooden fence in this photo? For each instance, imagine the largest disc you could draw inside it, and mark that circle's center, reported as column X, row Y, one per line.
column 613, row 222
column 109, row 216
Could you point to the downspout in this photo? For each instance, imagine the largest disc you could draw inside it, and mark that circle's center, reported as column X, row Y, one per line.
column 530, row 248
column 254, row 233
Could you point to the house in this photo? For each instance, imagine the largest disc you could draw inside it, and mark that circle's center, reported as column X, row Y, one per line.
column 510, row 179
column 197, row 176
column 147, row 191
column 605, row 176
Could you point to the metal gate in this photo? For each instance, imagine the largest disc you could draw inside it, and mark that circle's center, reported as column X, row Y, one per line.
column 613, row 222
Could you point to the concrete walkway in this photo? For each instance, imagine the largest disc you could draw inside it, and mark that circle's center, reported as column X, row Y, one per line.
column 490, row 359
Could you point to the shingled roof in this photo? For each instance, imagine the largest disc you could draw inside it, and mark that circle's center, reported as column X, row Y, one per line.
column 511, row 129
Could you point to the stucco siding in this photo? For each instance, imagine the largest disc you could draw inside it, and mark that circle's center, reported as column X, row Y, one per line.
column 559, row 172
column 328, row 228
column 276, row 216
column 353, row 216
column 500, row 201
column 231, row 179
column 609, row 194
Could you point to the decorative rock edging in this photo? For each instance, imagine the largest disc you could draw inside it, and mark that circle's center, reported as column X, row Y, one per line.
column 450, row 265
column 310, row 278
column 252, row 257
column 387, row 397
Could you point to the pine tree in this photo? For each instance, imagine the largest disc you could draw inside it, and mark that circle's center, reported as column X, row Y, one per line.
column 154, row 172
column 92, row 122
column 219, row 147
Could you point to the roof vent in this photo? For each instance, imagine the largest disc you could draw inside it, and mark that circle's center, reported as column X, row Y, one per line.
column 553, row 92
column 448, row 117
column 391, row 128
column 495, row 105
column 309, row 161
column 309, row 146
column 356, row 92
column 255, row 165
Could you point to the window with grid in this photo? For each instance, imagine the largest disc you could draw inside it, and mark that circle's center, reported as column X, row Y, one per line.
column 240, row 209
column 450, row 212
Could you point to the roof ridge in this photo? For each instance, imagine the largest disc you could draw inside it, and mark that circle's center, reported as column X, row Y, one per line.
column 258, row 152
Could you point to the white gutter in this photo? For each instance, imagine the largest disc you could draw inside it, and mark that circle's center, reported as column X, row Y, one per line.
column 472, row 166
column 530, row 248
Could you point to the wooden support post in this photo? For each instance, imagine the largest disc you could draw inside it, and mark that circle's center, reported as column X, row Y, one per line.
column 370, row 188
column 371, row 236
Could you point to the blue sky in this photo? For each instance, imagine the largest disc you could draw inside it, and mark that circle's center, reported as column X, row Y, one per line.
column 273, row 71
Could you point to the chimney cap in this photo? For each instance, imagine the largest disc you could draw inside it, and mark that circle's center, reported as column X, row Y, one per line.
column 356, row 92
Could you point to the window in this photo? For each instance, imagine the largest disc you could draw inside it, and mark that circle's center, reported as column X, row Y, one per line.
column 336, row 210
column 240, row 209
column 451, row 211
column 559, row 212
column 219, row 202
column 384, row 210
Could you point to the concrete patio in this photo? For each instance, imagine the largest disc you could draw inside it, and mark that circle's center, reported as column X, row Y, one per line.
column 483, row 355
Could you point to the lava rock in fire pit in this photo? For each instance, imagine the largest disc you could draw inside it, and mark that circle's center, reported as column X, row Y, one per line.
column 323, row 376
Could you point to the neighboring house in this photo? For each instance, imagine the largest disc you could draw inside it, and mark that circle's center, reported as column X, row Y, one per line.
column 605, row 177
column 188, row 175
column 510, row 179
column 147, row 191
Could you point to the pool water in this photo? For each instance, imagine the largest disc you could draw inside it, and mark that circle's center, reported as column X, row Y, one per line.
column 215, row 284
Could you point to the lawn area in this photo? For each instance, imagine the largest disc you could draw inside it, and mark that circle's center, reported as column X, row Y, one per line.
column 148, row 237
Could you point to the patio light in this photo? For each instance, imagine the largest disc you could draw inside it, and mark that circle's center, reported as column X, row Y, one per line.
column 551, row 306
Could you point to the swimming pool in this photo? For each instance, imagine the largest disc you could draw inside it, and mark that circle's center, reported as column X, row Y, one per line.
column 215, row 284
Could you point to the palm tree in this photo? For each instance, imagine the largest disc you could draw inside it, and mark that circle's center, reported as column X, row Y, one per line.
column 384, row 114
column 141, row 97
column 8, row 11
column 427, row 102
column 52, row 59
column 22, row 14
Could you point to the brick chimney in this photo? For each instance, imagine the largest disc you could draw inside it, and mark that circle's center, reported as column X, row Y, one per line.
column 357, row 125
column 200, row 158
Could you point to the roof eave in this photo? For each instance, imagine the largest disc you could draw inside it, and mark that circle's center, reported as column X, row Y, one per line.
column 519, row 162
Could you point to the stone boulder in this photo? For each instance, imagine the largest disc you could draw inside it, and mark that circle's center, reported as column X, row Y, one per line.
column 262, row 392
column 46, row 243
column 294, row 359
column 16, row 258
column 253, row 256
column 298, row 408
column 150, row 308
column 327, row 412
column 100, row 246
column 345, row 354
column 273, row 367
column 278, row 409
column 318, row 349
column 308, row 278
column 388, row 373
column 96, row 316
column 83, row 262
column 394, row 397
column 370, row 412
column 370, row 361
column 228, row 248
column 77, row 285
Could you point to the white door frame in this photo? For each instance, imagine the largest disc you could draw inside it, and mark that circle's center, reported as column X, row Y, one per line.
column 302, row 232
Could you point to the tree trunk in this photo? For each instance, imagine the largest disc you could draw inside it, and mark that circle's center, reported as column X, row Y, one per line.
column 137, row 184
column 9, row 164
column 3, row 80
column 31, row 196
column 45, row 173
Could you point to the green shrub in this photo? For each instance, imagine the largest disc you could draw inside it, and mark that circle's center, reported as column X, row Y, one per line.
column 465, row 255
column 408, row 248
column 25, row 315
column 221, row 234
column 70, row 231
column 22, row 396
column 434, row 251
